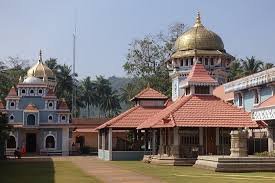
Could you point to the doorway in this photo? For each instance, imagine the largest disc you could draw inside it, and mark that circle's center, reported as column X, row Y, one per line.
column 31, row 142
column 210, row 141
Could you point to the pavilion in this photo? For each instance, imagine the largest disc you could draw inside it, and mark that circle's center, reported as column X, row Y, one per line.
column 198, row 123
column 136, row 144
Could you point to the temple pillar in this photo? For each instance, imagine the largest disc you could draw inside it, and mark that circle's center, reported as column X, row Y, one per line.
column 65, row 142
column 160, row 141
column 175, row 148
column 201, row 140
column 103, row 139
column 154, row 142
column 270, row 137
column 238, row 143
column 146, row 140
column 110, row 142
column 218, row 140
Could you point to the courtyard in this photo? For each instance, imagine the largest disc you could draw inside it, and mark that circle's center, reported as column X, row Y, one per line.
column 82, row 169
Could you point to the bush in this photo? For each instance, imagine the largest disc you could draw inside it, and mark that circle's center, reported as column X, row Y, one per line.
column 265, row 154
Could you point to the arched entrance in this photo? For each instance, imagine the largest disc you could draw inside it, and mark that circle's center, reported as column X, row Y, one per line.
column 11, row 142
column 31, row 119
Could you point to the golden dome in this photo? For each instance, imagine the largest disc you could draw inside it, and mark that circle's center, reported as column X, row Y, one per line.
column 40, row 70
column 199, row 38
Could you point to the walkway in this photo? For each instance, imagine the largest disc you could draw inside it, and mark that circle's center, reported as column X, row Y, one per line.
column 109, row 173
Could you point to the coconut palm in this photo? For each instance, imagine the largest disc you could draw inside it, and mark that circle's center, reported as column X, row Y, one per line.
column 267, row 66
column 251, row 66
column 235, row 70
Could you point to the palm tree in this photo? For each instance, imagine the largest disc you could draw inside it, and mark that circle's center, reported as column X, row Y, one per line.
column 235, row 70
column 52, row 64
column 110, row 104
column 267, row 66
column 88, row 93
column 251, row 66
column 127, row 93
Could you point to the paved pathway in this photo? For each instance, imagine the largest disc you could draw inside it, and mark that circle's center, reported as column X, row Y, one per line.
column 109, row 173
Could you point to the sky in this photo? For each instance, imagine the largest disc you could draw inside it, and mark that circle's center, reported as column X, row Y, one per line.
column 105, row 28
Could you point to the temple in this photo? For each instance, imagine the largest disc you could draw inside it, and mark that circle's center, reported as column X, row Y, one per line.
column 40, row 120
column 198, row 44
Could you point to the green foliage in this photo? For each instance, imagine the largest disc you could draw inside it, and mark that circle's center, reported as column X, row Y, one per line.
column 4, row 134
column 146, row 58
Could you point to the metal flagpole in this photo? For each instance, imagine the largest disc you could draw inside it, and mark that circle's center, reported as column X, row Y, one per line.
column 74, row 74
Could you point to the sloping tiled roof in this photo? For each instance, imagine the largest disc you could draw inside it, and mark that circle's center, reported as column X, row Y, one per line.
column 62, row 105
column 12, row 92
column 1, row 105
column 219, row 92
column 50, row 94
column 149, row 93
column 31, row 107
column 200, row 75
column 268, row 103
column 200, row 111
column 131, row 118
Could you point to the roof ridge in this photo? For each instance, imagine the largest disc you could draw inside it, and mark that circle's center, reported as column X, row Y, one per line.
column 113, row 120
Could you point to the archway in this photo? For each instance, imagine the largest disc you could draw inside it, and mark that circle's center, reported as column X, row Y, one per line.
column 11, row 142
column 50, row 142
column 31, row 119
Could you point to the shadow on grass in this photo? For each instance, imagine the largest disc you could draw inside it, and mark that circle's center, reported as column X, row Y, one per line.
column 29, row 171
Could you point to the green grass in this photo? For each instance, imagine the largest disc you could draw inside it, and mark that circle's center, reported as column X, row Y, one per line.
column 187, row 174
column 42, row 172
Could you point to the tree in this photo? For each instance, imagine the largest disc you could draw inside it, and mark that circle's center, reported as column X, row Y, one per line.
column 88, row 94
column 251, row 65
column 146, row 58
column 267, row 66
column 4, row 134
column 52, row 64
column 235, row 71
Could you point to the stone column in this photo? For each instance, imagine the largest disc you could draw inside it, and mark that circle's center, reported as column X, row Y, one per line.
column 201, row 140
column 154, row 142
column 98, row 139
column 238, row 143
column 175, row 147
column 160, row 142
column 110, row 144
column 65, row 142
column 270, row 137
column 103, row 139
column 218, row 140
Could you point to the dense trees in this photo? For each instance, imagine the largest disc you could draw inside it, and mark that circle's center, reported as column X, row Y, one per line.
column 244, row 67
column 4, row 134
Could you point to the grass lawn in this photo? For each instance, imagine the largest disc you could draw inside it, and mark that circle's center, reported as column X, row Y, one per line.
column 193, row 175
column 42, row 172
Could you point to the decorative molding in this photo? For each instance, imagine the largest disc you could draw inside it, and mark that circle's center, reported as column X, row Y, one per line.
column 267, row 113
column 253, row 80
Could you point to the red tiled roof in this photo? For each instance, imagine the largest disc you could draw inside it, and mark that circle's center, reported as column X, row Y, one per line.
column 200, row 111
column 149, row 93
column 268, row 103
column 219, row 92
column 1, row 105
column 50, row 94
column 12, row 92
column 31, row 107
column 200, row 75
column 131, row 118
column 62, row 104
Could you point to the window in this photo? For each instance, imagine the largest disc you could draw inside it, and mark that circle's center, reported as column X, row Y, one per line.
column 23, row 91
column 240, row 100
column 202, row 90
column 181, row 63
column 50, row 141
column 12, row 104
column 186, row 62
column 50, row 118
column 206, row 61
column 31, row 91
column 187, row 91
column 191, row 61
column 40, row 91
column 31, row 119
column 11, row 117
column 50, row 104
column 212, row 61
column 256, row 97
column 63, row 118
column 11, row 142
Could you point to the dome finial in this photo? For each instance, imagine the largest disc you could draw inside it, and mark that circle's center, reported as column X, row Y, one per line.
column 40, row 55
column 198, row 20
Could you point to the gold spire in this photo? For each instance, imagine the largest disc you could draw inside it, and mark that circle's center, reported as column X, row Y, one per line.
column 40, row 56
column 198, row 20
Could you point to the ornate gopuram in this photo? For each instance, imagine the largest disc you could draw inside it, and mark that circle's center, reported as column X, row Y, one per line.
column 255, row 94
column 198, row 44
column 40, row 120
column 197, row 123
